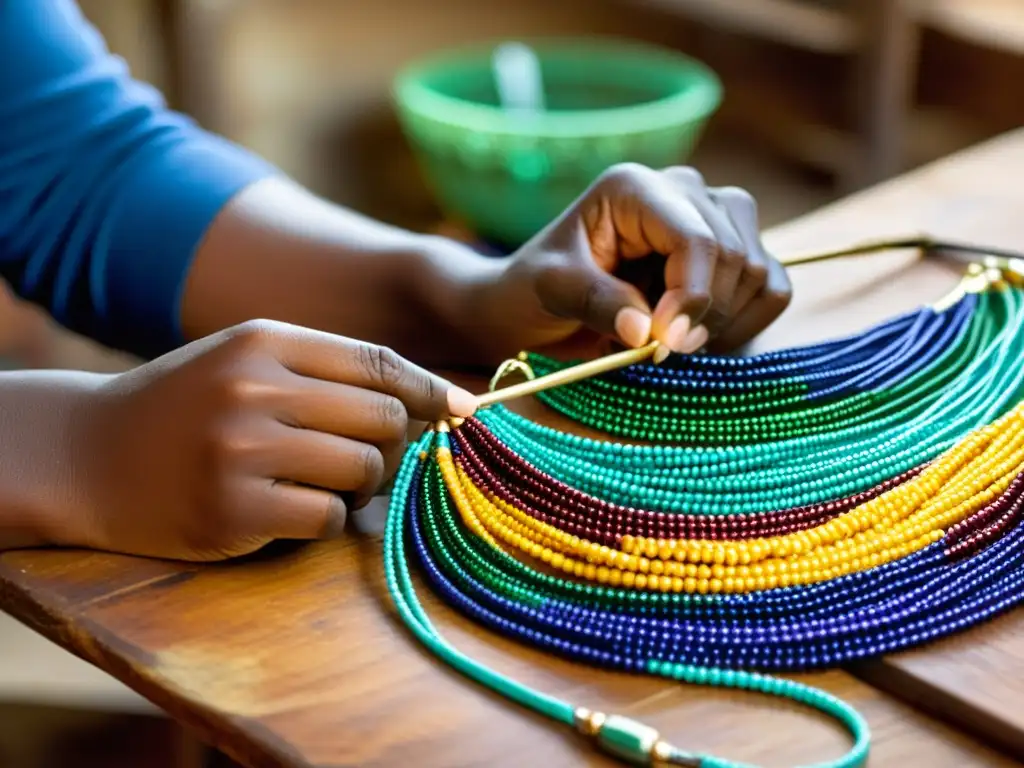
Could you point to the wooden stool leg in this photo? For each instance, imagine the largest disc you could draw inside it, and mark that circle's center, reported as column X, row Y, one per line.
column 190, row 751
column 193, row 753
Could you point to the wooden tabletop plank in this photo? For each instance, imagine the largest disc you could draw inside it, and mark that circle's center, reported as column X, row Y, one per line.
column 971, row 680
column 294, row 658
column 297, row 659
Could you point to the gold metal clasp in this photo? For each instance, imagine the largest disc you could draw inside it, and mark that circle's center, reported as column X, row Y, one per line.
column 1010, row 270
column 631, row 741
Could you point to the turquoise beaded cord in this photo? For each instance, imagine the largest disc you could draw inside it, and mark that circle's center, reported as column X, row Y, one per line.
column 625, row 738
column 973, row 381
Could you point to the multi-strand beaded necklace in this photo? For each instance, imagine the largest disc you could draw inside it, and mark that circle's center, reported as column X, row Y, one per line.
column 791, row 511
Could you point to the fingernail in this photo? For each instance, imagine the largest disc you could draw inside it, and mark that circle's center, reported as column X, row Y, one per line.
column 461, row 403
column 695, row 339
column 337, row 516
column 661, row 354
column 676, row 335
column 633, row 326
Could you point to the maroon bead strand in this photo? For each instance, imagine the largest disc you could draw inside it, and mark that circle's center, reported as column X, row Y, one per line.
column 585, row 516
column 985, row 526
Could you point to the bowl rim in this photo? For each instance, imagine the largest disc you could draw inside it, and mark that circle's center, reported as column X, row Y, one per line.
column 697, row 103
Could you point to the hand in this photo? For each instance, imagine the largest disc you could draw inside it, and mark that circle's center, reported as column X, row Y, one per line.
column 264, row 431
column 644, row 255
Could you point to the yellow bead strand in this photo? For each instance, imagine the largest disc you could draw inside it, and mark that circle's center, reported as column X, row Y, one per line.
column 893, row 525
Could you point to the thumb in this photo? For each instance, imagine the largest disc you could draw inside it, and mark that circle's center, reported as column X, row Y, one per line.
column 602, row 302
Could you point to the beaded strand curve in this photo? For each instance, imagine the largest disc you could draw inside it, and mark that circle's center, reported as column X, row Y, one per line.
column 622, row 737
column 791, row 511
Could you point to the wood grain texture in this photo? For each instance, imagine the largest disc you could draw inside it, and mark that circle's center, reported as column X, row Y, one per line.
column 295, row 657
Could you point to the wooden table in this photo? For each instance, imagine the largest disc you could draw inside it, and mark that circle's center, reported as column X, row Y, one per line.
column 295, row 658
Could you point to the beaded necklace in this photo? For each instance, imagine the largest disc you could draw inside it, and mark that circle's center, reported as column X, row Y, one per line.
column 791, row 511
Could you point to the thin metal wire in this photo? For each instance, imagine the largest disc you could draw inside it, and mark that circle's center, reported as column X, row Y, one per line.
column 996, row 264
column 923, row 243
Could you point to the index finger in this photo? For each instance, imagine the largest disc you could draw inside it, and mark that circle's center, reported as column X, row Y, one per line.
column 319, row 355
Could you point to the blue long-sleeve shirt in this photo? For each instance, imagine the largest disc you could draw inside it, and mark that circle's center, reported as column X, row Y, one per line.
column 105, row 193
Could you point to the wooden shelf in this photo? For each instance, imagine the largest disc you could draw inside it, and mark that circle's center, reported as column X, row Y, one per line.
column 799, row 125
column 790, row 123
column 814, row 25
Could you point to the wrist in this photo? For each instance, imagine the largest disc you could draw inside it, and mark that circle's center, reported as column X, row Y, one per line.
column 454, row 290
column 311, row 263
column 42, row 429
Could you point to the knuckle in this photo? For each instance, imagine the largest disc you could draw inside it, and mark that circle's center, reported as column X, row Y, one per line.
column 732, row 256
column 688, row 175
column 371, row 465
column 626, row 174
column 591, row 299
column 777, row 298
column 737, row 196
column 699, row 299
column 254, row 333
column 553, row 282
column 226, row 447
column 701, row 244
column 784, row 294
column 393, row 418
column 556, row 271
column 756, row 271
column 239, row 384
column 381, row 364
column 335, row 515
column 715, row 318
column 430, row 389
column 236, row 388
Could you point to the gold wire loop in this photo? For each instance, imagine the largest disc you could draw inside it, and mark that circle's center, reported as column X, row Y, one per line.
column 976, row 279
column 513, row 365
column 571, row 374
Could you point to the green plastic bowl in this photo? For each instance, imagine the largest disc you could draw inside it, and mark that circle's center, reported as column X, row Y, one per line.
column 506, row 176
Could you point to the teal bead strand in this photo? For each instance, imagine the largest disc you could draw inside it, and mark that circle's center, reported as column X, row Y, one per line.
column 804, row 695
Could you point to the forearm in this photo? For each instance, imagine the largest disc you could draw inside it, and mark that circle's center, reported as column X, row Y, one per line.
column 278, row 252
column 41, row 414
column 132, row 226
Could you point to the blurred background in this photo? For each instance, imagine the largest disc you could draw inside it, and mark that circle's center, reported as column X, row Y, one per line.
column 818, row 98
